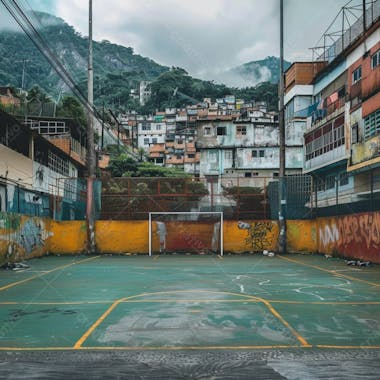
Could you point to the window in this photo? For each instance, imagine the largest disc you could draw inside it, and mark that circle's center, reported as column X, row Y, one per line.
column 247, row 174
column 228, row 154
column 330, row 182
column 58, row 164
column 275, row 174
column 207, row 131
column 254, row 153
column 159, row 160
column 212, row 156
column 221, row 131
column 343, row 179
column 355, row 133
column 357, row 75
column 241, row 130
column 375, row 60
column 372, row 124
column 146, row 127
column 325, row 139
column 146, row 141
column 154, row 140
column 191, row 155
column 158, row 127
column 261, row 153
column 320, row 184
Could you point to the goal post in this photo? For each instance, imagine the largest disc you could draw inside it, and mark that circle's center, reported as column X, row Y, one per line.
column 186, row 231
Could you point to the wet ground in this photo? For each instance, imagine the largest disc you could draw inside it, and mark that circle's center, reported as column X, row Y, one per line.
column 214, row 317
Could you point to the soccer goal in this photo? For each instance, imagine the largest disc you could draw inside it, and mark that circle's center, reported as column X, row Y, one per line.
column 192, row 231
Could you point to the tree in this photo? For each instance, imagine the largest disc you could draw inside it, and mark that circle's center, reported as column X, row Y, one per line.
column 71, row 108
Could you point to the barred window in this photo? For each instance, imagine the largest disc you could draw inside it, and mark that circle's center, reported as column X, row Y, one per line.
column 372, row 124
column 58, row 164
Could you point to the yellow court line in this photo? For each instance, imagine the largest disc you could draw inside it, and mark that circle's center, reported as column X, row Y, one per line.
column 177, row 348
column 330, row 271
column 299, row 337
column 220, row 257
column 326, row 302
column 171, row 348
column 84, row 337
column 45, row 273
column 201, row 300
column 146, row 348
column 347, row 347
column 57, row 303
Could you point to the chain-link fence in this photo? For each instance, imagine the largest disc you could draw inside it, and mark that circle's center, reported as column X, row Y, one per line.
column 132, row 198
column 239, row 198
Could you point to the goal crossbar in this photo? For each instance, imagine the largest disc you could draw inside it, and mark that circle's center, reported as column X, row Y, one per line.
column 219, row 213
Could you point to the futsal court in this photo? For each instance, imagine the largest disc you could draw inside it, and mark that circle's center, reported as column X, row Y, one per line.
column 198, row 302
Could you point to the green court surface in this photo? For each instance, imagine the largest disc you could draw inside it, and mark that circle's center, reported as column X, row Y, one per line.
column 189, row 302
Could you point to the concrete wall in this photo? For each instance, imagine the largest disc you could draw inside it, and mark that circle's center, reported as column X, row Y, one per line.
column 356, row 236
column 23, row 237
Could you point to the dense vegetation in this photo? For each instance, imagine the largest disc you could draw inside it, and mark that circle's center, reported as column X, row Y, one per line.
column 176, row 88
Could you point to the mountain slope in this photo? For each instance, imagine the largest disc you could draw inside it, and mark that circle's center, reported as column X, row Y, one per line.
column 117, row 70
column 252, row 73
column 71, row 48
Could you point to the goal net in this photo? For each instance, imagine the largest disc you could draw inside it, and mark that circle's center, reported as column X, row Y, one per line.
column 190, row 232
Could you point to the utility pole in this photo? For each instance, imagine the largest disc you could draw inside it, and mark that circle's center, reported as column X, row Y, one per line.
column 90, row 209
column 282, row 179
column 118, row 129
column 102, row 139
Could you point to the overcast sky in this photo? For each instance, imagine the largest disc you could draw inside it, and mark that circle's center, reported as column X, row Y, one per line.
column 202, row 36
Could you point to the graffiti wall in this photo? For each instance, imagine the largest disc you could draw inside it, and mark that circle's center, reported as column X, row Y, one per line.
column 356, row 236
column 23, row 237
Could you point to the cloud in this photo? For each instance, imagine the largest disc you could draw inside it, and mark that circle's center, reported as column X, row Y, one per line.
column 206, row 37
column 201, row 36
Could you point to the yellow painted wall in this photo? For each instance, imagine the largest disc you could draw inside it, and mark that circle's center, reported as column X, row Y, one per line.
column 261, row 235
column 302, row 236
column 68, row 237
column 122, row 236
column 24, row 237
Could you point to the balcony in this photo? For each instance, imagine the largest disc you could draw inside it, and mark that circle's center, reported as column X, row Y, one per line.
column 319, row 117
column 325, row 159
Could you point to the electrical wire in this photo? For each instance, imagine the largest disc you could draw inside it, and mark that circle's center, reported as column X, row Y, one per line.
column 26, row 25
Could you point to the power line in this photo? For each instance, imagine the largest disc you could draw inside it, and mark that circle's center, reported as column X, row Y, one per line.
column 26, row 25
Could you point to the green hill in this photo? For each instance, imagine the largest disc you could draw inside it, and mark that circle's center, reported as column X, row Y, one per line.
column 117, row 70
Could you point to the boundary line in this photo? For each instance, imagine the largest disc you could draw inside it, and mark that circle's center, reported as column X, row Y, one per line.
column 273, row 311
column 337, row 274
column 193, row 348
column 11, row 285
column 201, row 300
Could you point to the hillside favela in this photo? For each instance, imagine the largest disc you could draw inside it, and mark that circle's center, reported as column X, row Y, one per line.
column 190, row 190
